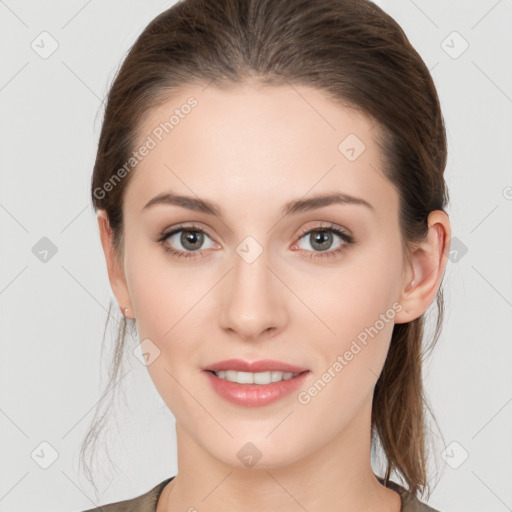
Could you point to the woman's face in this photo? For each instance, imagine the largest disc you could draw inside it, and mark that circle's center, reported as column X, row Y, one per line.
column 250, row 283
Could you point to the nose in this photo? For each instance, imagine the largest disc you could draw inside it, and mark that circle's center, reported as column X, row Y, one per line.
column 253, row 299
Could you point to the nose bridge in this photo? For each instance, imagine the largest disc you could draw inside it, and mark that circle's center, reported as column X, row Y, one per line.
column 252, row 302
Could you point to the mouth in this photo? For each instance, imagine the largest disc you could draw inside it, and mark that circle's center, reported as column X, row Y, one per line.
column 248, row 389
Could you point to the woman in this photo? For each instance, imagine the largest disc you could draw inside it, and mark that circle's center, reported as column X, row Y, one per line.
column 271, row 205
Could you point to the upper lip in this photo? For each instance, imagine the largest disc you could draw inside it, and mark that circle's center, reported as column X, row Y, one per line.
column 264, row 365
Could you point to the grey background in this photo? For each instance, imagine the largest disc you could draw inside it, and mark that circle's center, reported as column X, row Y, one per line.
column 53, row 313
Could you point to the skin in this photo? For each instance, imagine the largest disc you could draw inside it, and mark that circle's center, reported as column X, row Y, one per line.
column 250, row 150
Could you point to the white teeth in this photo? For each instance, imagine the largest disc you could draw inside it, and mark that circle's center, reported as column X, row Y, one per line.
column 254, row 378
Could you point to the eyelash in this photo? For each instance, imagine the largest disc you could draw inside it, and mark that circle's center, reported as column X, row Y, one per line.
column 347, row 239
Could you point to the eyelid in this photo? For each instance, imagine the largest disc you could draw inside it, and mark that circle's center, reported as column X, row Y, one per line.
column 166, row 233
column 326, row 227
column 184, row 227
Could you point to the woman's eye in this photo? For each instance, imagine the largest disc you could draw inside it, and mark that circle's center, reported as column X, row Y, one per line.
column 321, row 240
column 185, row 242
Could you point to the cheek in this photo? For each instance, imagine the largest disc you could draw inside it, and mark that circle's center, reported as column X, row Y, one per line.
column 160, row 291
column 167, row 300
column 352, row 295
column 357, row 304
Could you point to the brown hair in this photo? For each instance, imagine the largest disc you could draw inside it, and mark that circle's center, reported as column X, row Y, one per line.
column 359, row 56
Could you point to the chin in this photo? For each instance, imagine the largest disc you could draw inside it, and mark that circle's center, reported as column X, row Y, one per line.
column 260, row 453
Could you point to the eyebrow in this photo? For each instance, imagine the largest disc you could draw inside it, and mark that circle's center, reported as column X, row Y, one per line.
column 290, row 208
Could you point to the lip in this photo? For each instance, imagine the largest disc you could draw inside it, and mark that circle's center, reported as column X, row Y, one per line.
column 254, row 395
column 264, row 365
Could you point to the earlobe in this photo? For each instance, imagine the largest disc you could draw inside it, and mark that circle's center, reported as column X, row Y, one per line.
column 426, row 267
column 114, row 266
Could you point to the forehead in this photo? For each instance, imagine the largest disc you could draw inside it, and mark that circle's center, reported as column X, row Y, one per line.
column 251, row 143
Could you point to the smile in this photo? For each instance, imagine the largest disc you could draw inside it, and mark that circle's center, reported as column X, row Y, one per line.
column 254, row 389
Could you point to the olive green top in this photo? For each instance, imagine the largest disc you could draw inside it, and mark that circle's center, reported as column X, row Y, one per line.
column 147, row 502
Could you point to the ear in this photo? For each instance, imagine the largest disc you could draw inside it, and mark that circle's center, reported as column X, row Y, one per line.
column 114, row 265
column 425, row 268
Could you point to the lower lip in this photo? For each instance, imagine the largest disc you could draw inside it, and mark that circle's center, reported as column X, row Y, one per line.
column 254, row 395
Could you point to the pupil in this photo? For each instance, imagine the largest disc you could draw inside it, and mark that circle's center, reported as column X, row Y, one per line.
column 323, row 238
column 191, row 238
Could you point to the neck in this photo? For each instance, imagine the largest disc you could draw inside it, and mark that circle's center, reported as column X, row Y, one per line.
column 338, row 472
